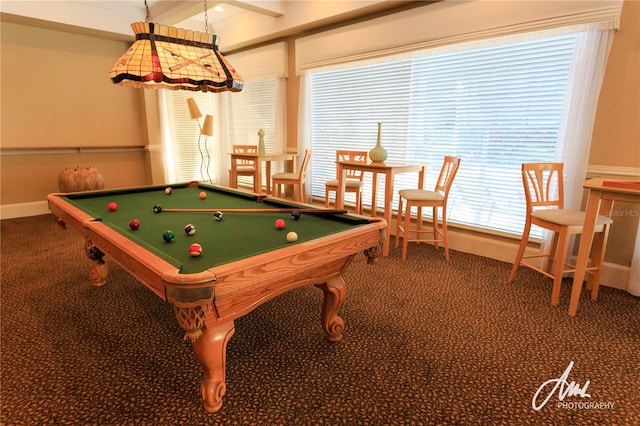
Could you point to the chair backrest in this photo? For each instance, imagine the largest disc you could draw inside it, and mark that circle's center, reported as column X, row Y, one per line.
column 447, row 174
column 543, row 186
column 355, row 156
column 302, row 172
column 245, row 149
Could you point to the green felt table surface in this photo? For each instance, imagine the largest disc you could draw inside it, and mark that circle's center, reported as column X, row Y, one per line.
column 236, row 236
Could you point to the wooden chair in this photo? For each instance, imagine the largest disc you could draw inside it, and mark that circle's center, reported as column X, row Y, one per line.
column 354, row 181
column 245, row 167
column 545, row 208
column 296, row 179
column 436, row 199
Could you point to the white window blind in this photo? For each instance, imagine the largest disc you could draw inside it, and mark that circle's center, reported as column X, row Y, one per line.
column 187, row 150
column 257, row 106
column 495, row 107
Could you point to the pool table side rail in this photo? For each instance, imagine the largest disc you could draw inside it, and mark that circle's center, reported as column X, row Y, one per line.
column 243, row 285
column 144, row 265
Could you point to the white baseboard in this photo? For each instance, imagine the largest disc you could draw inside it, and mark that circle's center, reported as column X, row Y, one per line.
column 12, row 211
column 612, row 275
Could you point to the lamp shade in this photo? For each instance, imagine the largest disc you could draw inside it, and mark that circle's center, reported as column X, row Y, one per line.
column 176, row 59
column 207, row 126
column 194, row 111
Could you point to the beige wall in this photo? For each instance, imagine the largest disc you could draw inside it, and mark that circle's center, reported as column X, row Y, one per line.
column 615, row 143
column 56, row 94
column 616, row 133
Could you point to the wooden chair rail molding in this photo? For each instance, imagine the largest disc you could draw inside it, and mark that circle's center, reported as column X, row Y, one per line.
column 45, row 150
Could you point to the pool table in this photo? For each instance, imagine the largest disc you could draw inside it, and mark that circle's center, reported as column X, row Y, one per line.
column 245, row 261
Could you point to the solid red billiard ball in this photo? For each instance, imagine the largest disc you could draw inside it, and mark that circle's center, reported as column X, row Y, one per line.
column 280, row 223
column 134, row 224
column 203, row 195
column 195, row 250
column 112, row 207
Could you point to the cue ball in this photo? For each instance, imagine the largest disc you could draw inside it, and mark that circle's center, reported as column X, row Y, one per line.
column 280, row 223
column 203, row 195
column 157, row 208
column 295, row 215
column 292, row 236
column 168, row 191
column 189, row 229
column 134, row 224
column 218, row 215
column 195, row 250
column 168, row 236
column 112, row 207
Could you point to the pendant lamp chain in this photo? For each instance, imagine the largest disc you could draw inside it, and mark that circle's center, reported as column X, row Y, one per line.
column 206, row 18
column 146, row 6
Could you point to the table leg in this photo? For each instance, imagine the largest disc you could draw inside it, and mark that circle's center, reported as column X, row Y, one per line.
column 388, row 197
column 233, row 174
column 257, row 178
column 334, row 293
column 268, row 176
column 586, row 239
column 211, row 351
column 374, row 194
column 342, row 177
column 99, row 272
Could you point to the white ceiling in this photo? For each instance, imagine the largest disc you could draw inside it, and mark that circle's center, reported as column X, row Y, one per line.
column 242, row 23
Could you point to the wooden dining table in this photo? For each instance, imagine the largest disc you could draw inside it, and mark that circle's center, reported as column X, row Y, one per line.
column 388, row 169
column 602, row 193
column 258, row 160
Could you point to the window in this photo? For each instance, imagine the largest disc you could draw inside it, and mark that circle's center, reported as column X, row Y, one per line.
column 494, row 106
column 257, row 106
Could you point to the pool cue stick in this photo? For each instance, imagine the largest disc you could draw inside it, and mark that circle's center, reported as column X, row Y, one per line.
column 301, row 211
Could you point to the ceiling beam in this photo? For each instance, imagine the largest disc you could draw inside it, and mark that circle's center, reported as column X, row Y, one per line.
column 273, row 9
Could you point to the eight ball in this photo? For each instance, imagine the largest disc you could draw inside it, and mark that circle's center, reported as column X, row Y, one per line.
column 295, row 215
column 157, row 208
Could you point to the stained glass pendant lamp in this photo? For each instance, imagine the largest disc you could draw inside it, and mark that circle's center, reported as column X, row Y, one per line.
column 164, row 57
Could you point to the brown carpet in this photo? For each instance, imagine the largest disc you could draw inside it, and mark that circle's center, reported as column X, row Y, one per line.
column 426, row 342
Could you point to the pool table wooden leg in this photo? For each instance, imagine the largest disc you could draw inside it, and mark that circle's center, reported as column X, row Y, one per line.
column 334, row 293
column 211, row 350
column 99, row 272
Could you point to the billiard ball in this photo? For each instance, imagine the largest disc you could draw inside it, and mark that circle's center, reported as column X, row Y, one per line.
column 189, row 229
column 195, row 250
column 157, row 208
column 280, row 223
column 218, row 215
column 203, row 195
column 168, row 236
column 134, row 224
column 295, row 215
column 168, row 190
column 292, row 236
column 112, row 207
